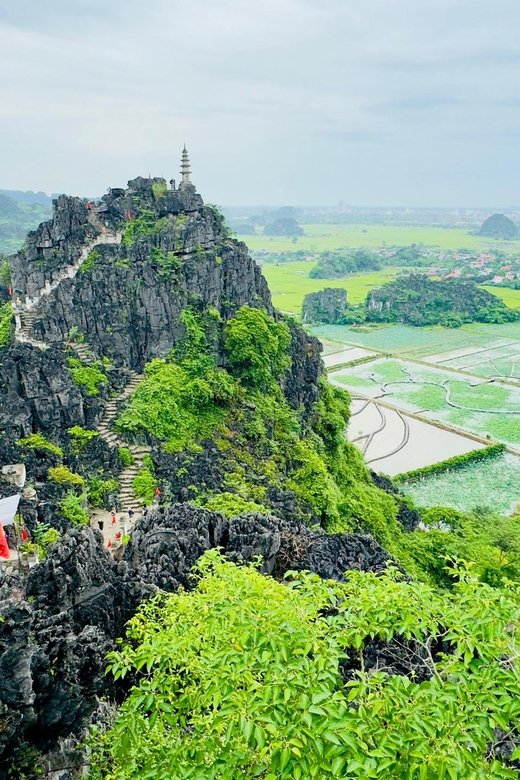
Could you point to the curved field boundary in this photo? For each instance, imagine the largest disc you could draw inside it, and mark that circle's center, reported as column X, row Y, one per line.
column 451, row 464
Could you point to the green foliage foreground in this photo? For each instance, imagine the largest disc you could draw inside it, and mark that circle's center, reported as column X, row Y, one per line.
column 241, row 678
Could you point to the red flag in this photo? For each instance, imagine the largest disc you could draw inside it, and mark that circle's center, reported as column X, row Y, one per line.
column 24, row 535
column 4, row 547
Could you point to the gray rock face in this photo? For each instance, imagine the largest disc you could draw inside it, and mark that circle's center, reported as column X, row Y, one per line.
column 37, row 392
column 326, row 306
column 52, row 246
column 58, row 625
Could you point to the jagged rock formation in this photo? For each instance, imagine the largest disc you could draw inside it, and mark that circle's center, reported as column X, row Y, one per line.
column 58, row 626
column 134, row 264
column 499, row 226
column 325, row 306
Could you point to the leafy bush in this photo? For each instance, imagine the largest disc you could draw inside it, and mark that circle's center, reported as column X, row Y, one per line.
column 73, row 508
column 64, row 476
column 125, row 456
column 6, row 324
column 101, row 492
column 168, row 262
column 44, row 537
column 144, row 484
column 232, row 505
column 80, row 438
column 257, row 346
column 91, row 377
column 173, row 406
column 246, row 677
column 37, row 441
column 159, row 188
column 93, row 257
column 146, row 224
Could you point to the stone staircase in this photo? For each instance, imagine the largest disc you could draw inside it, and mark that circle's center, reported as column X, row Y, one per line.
column 126, row 496
column 26, row 314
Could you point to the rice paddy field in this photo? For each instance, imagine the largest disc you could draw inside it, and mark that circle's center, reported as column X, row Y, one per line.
column 319, row 237
column 490, row 410
column 471, row 347
column 493, row 483
column 290, row 282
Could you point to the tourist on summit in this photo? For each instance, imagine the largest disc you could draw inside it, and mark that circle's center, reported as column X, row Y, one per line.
column 157, row 494
column 113, row 516
column 101, row 525
column 130, row 514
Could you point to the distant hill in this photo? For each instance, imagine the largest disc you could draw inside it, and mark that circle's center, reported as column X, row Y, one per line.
column 417, row 300
column 21, row 212
column 499, row 226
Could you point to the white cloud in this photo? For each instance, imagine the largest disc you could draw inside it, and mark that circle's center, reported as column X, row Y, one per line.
column 279, row 100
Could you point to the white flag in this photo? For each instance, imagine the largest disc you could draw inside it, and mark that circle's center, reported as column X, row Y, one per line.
column 8, row 509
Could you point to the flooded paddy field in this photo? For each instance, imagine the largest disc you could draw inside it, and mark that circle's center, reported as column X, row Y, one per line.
column 432, row 344
column 483, row 407
column 393, row 442
column 493, row 483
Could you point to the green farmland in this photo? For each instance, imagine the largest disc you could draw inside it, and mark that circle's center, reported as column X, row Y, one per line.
column 318, row 238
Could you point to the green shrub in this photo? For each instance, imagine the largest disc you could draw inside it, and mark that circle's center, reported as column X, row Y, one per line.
column 257, row 346
column 159, row 188
column 91, row 377
column 6, row 324
column 64, row 476
column 93, row 257
column 37, row 441
column 244, row 677
column 146, row 224
column 168, row 262
column 172, row 406
column 75, row 335
column 80, row 438
column 125, row 456
column 101, row 492
column 232, row 505
column 144, row 485
column 73, row 508
column 44, row 537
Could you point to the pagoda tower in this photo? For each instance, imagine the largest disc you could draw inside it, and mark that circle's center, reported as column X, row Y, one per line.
column 185, row 170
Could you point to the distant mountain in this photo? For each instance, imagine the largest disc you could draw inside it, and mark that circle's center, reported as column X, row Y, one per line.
column 21, row 212
column 499, row 226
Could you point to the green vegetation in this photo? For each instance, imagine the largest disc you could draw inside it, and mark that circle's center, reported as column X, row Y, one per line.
column 73, row 508
column 144, row 484
column 452, row 464
column 174, row 405
column 80, row 437
column 336, row 265
column 17, row 218
column 289, row 284
column 489, row 541
column 44, row 537
column 478, row 484
column 62, row 475
column 6, row 324
column 125, row 456
column 257, row 346
column 146, row 224
column 101, row 492
column 37, row 441
column 418, row 300
column 91, row 377
column 232, row 505
column 93, row 257
column 215, row 698
column 168, row 262
column 159, row 188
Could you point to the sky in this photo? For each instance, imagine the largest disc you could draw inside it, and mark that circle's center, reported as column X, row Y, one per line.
column 304, row 102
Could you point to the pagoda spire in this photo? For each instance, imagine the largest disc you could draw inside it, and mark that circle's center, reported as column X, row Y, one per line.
column 185, row 168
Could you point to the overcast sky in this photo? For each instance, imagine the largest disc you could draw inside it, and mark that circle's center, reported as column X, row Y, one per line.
column 373, row 102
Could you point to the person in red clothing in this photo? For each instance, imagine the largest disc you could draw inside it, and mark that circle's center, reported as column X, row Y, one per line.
column 113, row 516
column 4, row 547
column 157, row 494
